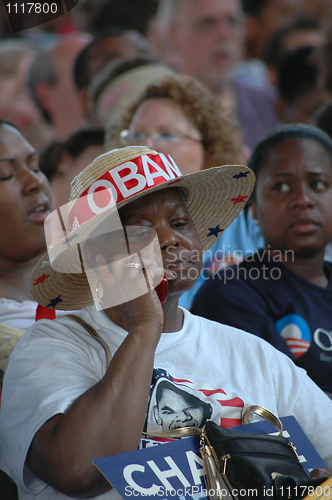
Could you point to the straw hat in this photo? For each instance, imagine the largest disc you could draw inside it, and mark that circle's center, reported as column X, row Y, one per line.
column 214, row 197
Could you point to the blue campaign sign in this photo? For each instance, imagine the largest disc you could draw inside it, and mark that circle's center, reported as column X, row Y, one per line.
column 171, row 470
column 175, row 470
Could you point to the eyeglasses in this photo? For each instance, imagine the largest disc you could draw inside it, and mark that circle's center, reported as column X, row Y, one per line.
column 128, row 138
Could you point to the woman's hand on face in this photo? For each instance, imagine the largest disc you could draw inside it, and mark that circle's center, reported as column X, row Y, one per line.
column 130, row 286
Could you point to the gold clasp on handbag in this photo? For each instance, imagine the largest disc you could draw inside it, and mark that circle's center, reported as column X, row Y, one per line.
column 214, row 486
column 224, row 461
column 206, row 449
column 215, row 479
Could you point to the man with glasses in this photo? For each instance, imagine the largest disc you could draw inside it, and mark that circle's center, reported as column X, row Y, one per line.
column 205, row 38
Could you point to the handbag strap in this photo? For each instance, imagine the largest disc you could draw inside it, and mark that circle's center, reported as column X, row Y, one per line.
column 93, row 334
column 178, row 433
column 264, row 413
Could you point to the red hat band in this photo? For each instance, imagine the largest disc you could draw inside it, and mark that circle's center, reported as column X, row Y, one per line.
column 121, row 183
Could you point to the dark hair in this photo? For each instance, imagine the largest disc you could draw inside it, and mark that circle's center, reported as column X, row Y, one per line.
column 82, row 139
column 275, row 46
column 74, row 145
column 116, row 68
column 82, row 78
column 81, row 74
column 297, row 74
column 259, row 156
column 253, row 7
column 130, row 14
column 325, row 55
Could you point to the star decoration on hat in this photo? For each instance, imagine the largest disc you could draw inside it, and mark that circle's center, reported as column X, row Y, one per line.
column 54, row 302
column 70, row 238
column 240, row 174
column 239, row 199
column 41, row 279
column 214, row 231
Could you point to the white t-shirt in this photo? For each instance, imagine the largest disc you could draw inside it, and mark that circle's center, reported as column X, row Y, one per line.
column 21, row 314
column 225, row 368
column 15, row 318
column 17, row 314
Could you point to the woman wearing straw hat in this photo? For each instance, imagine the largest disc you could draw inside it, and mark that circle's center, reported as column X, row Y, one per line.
column 83, row 387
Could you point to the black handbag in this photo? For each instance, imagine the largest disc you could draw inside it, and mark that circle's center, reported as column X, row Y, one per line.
column 250, row 466
column 247, row 466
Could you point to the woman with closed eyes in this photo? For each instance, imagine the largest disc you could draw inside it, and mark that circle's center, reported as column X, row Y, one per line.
column 24, row 206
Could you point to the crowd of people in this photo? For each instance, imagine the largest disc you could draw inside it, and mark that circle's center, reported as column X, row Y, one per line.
column 184, row 144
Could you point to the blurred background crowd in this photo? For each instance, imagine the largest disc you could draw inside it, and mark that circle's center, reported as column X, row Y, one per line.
column 264, row 61
column 201, row 80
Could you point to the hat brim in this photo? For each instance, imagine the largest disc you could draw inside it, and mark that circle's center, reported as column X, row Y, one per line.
column 215, row 197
